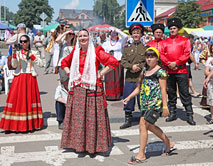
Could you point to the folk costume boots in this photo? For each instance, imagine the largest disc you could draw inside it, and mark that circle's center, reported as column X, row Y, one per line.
column 189, row 113
column 128, row 120
column 172, row 115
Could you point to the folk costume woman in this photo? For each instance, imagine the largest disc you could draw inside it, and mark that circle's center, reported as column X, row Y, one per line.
column 114, row 80
column 86, row 124
column 23, row 111
column 153, row 98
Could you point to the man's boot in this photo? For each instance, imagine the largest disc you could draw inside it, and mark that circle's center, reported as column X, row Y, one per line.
column 128, row 120
column 189, row 113
column 172, row 115
column 190, row 120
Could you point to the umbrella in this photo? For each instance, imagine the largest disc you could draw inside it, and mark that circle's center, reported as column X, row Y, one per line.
column 3, row 27
column 49, row 27
column 100, row 28
column 208, row 27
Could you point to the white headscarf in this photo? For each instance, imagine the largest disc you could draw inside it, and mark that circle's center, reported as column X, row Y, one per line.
column 89, row 76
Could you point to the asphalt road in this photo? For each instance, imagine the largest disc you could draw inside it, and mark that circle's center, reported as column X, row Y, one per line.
column 42, row 148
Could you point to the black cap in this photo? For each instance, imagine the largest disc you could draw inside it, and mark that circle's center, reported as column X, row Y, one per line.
column 157, row 26
column 136, row 26
column 174, row 22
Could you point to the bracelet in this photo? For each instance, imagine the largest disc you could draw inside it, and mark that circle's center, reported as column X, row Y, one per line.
column 165, row 107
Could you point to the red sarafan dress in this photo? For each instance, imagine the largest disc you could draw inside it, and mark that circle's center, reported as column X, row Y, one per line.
column 23, row 111
column 86, row 124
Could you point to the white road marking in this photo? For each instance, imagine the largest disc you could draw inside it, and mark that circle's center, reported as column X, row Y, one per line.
column 180, row 145
column 169, row 129
column 194, row 164
column 118, row 133
column 30, row 138
column 8, row 156
column 196, row 109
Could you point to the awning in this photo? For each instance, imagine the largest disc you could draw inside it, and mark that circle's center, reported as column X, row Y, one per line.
column 3, row 27
column 49, row 27
column 190, row 30
column 203, row 33
column 208, row 27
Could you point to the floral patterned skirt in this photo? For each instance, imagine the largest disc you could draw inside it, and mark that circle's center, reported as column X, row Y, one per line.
column 86, row 124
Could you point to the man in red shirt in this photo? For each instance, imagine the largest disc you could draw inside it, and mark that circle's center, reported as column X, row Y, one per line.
column 158, row 30
column 174, row 55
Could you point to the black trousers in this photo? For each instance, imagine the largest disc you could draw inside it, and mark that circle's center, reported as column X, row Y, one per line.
column 60, row 111
column 180, row 80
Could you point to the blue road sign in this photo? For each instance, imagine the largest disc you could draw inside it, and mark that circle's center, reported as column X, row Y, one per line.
column 141, row 11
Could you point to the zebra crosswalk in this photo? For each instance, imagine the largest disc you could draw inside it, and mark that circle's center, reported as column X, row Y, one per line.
column 191, row 142
column 9, row 157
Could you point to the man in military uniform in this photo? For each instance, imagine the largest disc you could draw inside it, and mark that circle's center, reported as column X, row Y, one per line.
column 133, row 60
column 175, row 53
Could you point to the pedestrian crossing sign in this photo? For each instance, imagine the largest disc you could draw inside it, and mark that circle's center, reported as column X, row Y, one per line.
column 141, row 11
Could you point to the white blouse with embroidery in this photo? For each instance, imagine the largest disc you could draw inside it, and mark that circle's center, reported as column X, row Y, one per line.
column 23, row 65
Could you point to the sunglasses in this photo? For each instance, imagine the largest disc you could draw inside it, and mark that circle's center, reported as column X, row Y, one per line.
column 71, row 34
column 23, row 41
column 67, row 27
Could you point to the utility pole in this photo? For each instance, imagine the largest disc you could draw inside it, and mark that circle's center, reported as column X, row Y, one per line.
column 0, row 11
column 4, row 10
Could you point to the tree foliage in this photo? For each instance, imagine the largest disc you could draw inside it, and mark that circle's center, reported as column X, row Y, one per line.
column 106, row 10
column 29, row 12
column 189, row 13
column 9, row 15
column 120, row 21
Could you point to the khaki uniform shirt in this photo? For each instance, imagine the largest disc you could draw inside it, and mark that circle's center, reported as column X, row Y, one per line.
column 133, row 54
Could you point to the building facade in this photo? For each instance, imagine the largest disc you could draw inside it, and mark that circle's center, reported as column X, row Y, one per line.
column 206, row 7
column 78, row 18
column 163, row 5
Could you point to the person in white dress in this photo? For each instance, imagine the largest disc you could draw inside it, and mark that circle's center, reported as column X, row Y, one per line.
column 114, row 80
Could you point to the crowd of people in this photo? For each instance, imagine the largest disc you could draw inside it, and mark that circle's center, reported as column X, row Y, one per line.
column 91, row 71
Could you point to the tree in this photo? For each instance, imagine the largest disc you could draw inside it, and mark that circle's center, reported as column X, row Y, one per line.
column 29, row 12
column 189, row 13
column 120, row 21
column 106, row 10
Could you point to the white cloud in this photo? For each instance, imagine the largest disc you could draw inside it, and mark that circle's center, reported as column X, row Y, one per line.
column 72, row 5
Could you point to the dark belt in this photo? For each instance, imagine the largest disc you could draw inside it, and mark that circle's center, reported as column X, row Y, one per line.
column 178, row 66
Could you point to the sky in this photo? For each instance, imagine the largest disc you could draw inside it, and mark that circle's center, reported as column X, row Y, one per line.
column 57, row 5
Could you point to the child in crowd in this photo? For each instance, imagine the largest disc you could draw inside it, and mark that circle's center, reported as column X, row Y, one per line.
column 153, row 101
column 60, row 104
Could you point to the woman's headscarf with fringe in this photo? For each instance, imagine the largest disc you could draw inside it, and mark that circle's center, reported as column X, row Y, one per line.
column 89, row 76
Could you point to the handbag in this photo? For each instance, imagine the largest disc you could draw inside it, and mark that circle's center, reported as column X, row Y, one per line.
column 151, row 116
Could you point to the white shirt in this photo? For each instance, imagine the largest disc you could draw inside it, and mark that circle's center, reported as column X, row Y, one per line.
column 116, row 46
column 38, row 38
column 61, row 92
